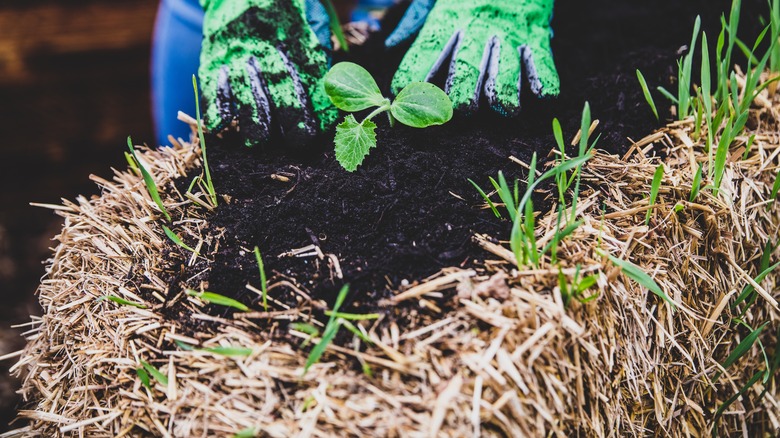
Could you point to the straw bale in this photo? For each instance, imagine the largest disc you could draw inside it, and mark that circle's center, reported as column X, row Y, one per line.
column 490, row 351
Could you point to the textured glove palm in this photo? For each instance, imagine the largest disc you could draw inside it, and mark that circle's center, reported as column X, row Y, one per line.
column 262, row 63
column 492, row 44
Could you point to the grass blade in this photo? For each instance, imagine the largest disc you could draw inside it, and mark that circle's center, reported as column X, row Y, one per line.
column 263, row 279
column 744, row 346
column 206, row 170
column 217, row 299
column 144, row 377
column 331, row 328
column 696, row 185
column 151, row 186
column 177, row 240
column 646, row 92
column 656, row 185
column 122, row 301
column 486, row 198
column 154, row 372
column 636, row 273
column 229, row 351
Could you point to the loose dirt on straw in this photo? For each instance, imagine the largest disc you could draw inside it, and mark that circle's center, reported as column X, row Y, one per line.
column 486, row 351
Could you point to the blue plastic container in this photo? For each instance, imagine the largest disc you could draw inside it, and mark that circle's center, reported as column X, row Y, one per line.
column 178, row 34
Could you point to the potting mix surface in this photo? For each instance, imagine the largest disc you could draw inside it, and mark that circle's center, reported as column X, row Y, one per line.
column 410, row 210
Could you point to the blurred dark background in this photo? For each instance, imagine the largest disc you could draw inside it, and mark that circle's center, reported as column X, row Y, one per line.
column 74, row 83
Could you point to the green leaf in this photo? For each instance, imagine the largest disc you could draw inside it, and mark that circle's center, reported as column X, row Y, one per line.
column 151, row 186
column 229, row 351
column 331, row 328
column 122, row 301
column 355, row 331
column 353, row 142
column 656, row 185
column 217, row 299
column 176, row 239
column 352, row 316
column 486, row 198
column 744, row 346
column 696, row 185
column 422, row 104
column 305, row 328
column 646, row 92
column 636, row 273
column 263, row 279
column 249, row 432
column 351, row 88
column 144, row 376
column 154, row 372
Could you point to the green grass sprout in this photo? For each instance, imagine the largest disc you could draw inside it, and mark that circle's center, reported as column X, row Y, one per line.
column 144, row 377
column 636, row 273
column 249, row 432
column 352, row 316
column 684, row 67
column 696, row 184
column 486, row 198
column 154, row 372
column 229, row 351
column 209, row 183
column 335, row 25
column 217, row 299
column 351, row 88
column 122, row 301
column 646, row 92
column 331, row 328
column 151, row 186
column 177, row 240
column 263, row 279
column 656, row 185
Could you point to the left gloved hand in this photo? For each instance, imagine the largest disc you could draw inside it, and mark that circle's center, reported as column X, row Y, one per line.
column 492, row 43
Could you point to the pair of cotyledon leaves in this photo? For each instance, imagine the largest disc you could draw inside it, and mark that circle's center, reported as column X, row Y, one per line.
column 351, row 88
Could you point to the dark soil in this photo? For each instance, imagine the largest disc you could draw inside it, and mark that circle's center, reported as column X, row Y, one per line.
column 409, row 210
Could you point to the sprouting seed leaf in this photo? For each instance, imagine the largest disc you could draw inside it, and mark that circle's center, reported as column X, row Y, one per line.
column 353, row 142
column 656, row 185
column 176, row 239
column 263, row 280
column 585, row 129
column 144, row 376
column 202, row 138
column 636, row 273
column 305, row 328
column 151, row 186
column 249, row 432
column 562, row 234
column 696, row 185
column 331, row 328
column 122, row 301
column 352, row 316
column 422, row 104
column 154, row 372
column 775, row 186
column 486, row 198
column 184, row 346
column 646, row 92
column 558, row 134
column 355, row 331
column 668, row 95
column 217, row 299
column 351, row 88
column 229, row 351
column 744, row 346
column 756, row 377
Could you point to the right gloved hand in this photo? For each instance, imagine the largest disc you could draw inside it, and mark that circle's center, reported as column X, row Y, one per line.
column 263, row 62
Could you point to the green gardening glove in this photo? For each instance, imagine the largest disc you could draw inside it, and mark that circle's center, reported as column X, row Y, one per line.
column 492, row 44
column 262, row 64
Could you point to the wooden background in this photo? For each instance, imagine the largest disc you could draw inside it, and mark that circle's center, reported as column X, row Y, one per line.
column 74, row 83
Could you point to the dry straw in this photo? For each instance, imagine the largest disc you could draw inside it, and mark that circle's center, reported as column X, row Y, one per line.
column 483, row 352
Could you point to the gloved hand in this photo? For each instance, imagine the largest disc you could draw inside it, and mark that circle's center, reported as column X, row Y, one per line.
column 262, row 62
column 492, row 44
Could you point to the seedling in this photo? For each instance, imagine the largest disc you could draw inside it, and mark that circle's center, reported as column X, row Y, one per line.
column 177, row 240
column 154, row 372
column 217, row 299
column 331, row 328
column 207, row 172
column 121, row 301
column 222, row 351
column 696, row 185
column 636, row 273
column 263, row 280
column 684, row 66
column 657, row 177
column 351, row 88
column 646, row 92
column 577, row 287
column 151, row 186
